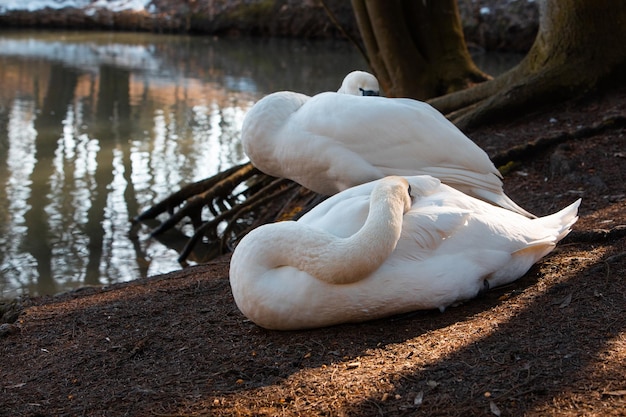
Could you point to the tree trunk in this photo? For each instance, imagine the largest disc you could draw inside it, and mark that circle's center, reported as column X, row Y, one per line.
column 581, row 45
column 417, row 49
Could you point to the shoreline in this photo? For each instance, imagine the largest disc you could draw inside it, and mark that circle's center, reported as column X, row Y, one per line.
column 489, row 25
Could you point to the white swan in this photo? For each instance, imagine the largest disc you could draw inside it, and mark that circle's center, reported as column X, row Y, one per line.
column 360, row 83
column 334, row 141
column 362, row 254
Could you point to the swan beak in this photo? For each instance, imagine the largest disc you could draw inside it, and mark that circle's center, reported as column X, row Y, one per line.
column 369, row 92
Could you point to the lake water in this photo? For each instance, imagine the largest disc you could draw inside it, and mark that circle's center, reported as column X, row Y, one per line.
column 97, row 126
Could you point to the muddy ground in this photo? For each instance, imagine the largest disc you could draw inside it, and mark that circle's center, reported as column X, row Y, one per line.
column 551, row 344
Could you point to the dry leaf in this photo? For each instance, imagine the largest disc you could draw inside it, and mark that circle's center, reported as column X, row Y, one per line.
column 566, row 301
column 494, row 409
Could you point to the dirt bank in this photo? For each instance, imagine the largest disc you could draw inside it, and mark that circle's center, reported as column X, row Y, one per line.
column 551, row 344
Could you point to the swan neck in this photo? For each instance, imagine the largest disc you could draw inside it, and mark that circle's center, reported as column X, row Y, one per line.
column 347, row 260
column 261, row 129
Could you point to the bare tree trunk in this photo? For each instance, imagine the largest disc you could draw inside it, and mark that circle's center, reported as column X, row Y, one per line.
column 417, row 49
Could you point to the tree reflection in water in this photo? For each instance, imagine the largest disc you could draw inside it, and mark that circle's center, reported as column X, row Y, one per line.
column 105, row 124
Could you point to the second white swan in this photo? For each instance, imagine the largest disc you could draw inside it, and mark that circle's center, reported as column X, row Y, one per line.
column 375, row 250
column 334, row 141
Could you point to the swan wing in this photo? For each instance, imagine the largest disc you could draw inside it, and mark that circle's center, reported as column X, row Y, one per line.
column 398, row 136
column 343, row 214
column 425, row 229
column 366, row 138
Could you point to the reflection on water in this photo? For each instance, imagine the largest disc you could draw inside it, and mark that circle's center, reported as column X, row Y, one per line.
column 95, row 127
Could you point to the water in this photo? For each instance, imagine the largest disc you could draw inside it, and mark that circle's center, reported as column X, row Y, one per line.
column 96, row 127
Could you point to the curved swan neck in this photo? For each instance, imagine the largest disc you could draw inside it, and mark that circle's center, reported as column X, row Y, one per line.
column 261, row 125
column 344, row 260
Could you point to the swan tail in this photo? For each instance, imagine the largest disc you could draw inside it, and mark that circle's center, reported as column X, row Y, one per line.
column 554, row 228
column 481, row 185
column 562, row 221
column 503, row 201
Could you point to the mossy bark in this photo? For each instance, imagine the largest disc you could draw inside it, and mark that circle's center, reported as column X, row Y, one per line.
column 580, row 45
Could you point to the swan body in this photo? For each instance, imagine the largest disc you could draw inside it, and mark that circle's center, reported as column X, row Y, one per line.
column 362, row 254
column 334, row 141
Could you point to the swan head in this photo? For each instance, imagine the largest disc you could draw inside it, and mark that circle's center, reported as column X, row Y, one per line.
column 360, row 83
column 394, row 187
column 423, row 185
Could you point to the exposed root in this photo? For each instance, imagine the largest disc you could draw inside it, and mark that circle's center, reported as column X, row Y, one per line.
column 467, row 99
column 257, row 201
column 596, row 235
column 235, row 201
column 191, row 190
column 528, row 150
column 520, row 89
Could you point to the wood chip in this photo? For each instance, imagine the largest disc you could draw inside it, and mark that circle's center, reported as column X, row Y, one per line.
column 494, row 409
column 566, row 301
column 618, row 393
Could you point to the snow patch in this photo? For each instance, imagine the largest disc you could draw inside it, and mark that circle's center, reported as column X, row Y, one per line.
column 87, row 5
column 121, row 5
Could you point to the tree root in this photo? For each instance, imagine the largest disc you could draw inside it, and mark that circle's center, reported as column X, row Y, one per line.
column 258, row 200
column 525, row 151
column 236, row 200
column 595, row 235
column 516, row 91
column 463, row 100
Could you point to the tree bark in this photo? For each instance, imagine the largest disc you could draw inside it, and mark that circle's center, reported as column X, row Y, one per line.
column 580, row 45
column 417, row 49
